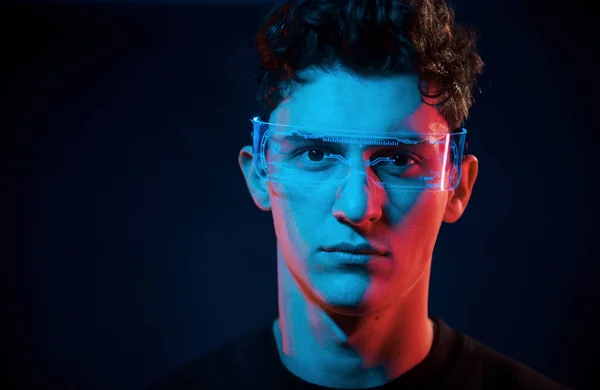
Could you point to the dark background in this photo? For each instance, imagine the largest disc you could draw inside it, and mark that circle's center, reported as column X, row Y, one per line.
column 132, row 244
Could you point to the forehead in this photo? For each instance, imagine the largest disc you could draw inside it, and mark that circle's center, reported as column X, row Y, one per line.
column 339, row 100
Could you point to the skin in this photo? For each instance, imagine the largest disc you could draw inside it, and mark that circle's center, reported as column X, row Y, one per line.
column 355, row 328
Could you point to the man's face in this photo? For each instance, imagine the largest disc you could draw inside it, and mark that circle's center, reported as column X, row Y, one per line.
column 312, row 225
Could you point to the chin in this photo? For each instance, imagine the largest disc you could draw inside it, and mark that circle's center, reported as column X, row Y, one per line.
column 352, row 296
column 353, row 309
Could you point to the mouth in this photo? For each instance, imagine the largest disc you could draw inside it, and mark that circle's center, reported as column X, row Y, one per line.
column 361, row 250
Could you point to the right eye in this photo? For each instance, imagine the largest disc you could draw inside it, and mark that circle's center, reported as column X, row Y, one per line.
column 315, row 155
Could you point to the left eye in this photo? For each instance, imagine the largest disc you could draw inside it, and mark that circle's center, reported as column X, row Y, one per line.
column 400, row 160
column 403, row 160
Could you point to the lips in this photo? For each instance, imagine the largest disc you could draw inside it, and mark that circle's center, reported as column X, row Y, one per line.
column 356, row 249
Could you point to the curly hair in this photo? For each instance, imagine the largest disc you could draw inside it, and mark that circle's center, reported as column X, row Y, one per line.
column 371, row 38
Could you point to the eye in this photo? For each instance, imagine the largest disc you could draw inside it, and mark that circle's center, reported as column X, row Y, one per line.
column 394, row 159
column 403, row 160
column 315, row 155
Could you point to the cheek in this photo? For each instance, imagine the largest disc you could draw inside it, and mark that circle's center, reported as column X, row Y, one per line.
column 297, row 219
column 416, row 210
column 416, row 223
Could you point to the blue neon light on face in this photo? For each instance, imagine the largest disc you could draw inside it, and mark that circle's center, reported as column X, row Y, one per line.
column 397, row 227
column 298, row 157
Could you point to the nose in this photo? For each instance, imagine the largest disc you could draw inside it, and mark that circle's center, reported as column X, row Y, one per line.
column 359, row 202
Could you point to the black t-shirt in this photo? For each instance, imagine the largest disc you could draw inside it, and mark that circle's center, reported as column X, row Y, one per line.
column 455, row 361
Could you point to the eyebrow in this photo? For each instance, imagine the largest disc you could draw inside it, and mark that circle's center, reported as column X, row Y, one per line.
column 299, row 136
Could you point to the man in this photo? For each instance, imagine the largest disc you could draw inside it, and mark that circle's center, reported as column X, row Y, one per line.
column 360, row 161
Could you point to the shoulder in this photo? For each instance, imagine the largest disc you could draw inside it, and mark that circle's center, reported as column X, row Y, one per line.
column 221, row 368
column 497, row 371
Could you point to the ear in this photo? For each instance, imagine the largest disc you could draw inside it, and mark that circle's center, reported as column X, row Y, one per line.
column 256, row 185
column 459, row 197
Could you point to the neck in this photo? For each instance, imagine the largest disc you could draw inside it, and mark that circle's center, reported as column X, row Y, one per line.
column 334, row 350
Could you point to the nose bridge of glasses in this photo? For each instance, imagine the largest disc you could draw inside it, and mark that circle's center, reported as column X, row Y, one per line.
column 363, row 173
